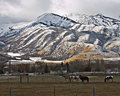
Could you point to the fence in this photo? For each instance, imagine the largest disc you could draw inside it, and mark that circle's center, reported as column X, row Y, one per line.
column 65, row 89
column 54, row 91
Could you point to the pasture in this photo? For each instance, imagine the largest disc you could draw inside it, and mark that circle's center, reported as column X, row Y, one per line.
column 54, row 85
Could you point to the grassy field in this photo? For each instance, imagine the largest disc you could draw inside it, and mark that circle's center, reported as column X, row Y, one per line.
column 53, row 85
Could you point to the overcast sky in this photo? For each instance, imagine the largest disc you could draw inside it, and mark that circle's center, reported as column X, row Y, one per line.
column 27, row 10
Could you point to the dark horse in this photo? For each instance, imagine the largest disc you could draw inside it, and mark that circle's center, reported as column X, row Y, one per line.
column 107, row 78
column 84, row 78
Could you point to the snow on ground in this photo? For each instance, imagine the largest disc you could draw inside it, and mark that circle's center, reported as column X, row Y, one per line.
column 50, row 61
column 14, row 54
column 112, row 59
column 14, row 62
column 32, row 61
column 35, row 59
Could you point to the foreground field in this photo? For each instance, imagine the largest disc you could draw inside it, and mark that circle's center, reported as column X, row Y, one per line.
column 57, row 86
column 61, row 89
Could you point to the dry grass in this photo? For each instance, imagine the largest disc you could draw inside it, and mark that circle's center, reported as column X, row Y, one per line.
column 86, row 49
column 44, row 86
column 72, row 50
column 64, row 89
column 41, row 52
column 79, row 56
column 85, row 54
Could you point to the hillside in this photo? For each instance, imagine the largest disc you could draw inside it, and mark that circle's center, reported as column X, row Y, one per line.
column 58, row 37
column 85, row 54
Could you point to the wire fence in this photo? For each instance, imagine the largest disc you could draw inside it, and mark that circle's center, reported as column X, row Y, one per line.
column 67, row 89
column 47, row 91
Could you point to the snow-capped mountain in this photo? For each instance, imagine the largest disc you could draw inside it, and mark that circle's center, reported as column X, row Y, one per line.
column 48, row 19
column 7, row 30
column 98, row 19
column 52, row 35
column 51, row 19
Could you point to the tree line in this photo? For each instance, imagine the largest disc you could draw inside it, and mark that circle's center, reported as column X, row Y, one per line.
column 74, row 66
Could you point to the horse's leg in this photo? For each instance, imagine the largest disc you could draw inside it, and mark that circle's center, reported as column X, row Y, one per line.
column 105, row 80
column 77, row 79
column 65, row 79
column 70, row 79
column 82, row 80
column 88, row 80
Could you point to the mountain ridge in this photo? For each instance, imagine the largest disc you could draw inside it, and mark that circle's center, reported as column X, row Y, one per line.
column 55, row 36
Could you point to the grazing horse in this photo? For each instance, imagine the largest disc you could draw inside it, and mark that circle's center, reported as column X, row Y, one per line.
column 107, row 78
column 67, row 77
column 74, row 77
column 70, row 77
column 84, row 78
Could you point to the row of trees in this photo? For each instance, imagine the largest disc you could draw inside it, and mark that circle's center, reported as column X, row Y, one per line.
column 75, row 66
column 94, row 65
column 38, row 67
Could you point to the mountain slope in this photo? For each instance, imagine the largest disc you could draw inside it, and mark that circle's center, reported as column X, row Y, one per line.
column 98, row 19
column 57, row 37
column 51, row 19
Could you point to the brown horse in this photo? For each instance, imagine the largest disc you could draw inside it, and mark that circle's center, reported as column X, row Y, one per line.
column 84, row 78
column 107, row 78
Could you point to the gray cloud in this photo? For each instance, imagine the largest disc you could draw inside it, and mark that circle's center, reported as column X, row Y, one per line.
column 107, row 7
column 22, row 9
column 26, row 10
column 7, row 19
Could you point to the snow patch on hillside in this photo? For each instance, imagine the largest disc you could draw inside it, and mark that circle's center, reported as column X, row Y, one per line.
column 51, row 19
column 14, row 54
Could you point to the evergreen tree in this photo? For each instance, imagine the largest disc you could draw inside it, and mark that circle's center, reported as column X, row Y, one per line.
column 67, row 67
column 88, row 68
column 46, row 70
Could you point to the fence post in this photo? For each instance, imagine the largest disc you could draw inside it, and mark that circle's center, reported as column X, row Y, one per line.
column 54, row 91
column 94, row 91
column 76, row 93
column 11, row 91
